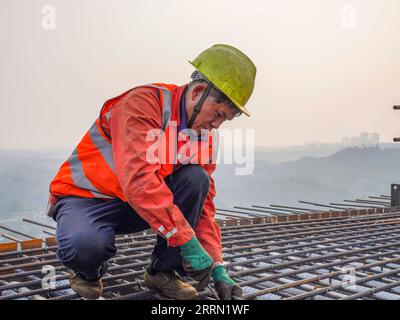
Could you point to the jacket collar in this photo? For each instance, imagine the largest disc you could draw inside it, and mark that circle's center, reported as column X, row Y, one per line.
column 177, row 95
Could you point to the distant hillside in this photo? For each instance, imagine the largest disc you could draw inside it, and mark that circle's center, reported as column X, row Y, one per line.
column 317, row 150
column 349, row 173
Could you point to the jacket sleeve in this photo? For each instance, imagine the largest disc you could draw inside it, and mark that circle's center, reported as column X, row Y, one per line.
column 141, row 182
column 207, row 230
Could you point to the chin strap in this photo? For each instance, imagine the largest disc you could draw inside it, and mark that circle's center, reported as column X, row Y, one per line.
column 199, row 104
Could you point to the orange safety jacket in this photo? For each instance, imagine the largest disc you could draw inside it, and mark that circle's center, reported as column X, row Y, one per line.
column 99, row 168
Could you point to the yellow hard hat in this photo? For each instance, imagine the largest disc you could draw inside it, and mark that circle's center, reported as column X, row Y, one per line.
column 230, row 71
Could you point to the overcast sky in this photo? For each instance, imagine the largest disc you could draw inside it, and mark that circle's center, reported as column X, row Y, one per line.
column 325, row 69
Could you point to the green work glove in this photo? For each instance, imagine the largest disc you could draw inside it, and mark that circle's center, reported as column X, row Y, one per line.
column 227, row 288
column 196, row 262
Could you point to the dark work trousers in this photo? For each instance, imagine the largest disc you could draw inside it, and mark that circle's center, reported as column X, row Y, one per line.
column 86, row 227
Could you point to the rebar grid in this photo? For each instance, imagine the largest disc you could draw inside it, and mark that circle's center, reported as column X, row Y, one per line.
column 348, row 257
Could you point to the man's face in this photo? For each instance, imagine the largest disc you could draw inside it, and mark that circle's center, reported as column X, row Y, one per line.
column 212, row 114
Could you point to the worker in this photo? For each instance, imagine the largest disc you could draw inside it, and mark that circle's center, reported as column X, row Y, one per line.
column 111, row 185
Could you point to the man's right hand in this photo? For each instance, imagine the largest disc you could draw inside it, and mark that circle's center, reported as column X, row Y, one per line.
column 197, row 262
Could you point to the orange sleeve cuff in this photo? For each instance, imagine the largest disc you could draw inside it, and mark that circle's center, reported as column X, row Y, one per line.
column 181, row 237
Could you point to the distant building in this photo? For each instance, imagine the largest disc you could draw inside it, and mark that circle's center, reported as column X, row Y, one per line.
column 375, row 138
column 365, row 139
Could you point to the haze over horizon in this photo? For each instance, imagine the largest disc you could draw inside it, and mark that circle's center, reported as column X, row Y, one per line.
column 305, row 144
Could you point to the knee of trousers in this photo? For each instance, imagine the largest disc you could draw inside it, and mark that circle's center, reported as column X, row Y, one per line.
column 195, row 179
column 86, row 251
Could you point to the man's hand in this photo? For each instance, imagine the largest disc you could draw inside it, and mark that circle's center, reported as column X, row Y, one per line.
column 226, row 287
column 197, row 262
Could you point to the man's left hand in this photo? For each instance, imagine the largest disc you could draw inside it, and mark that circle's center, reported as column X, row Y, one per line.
column 227, row 288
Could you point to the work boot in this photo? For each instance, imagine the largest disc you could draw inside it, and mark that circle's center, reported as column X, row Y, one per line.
column 86, row 289
column 170, row 285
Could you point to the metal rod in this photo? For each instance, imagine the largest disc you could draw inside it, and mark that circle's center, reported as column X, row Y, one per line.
column 234, row 211
column 259, row 210
column 320, row 205
column 228, row 215
column 297, row 208
column 375, row 197
column 236, row 216
column 374, row 201
column 231, row 211
column 353, row 206
column 365, row 201
column 7, row 236
column 280, row 209
column 49, row 233
column 17, row 232
column 38, row 223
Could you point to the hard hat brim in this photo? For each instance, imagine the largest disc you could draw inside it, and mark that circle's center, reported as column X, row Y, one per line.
column 238, row 105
